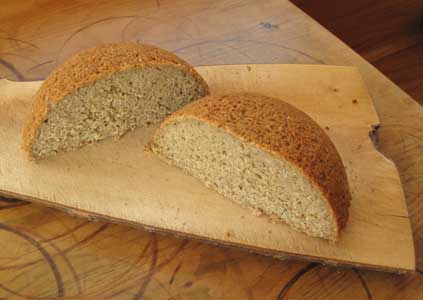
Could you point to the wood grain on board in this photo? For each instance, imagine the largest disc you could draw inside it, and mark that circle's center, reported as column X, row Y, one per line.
column 117, row 180
column 50, row 254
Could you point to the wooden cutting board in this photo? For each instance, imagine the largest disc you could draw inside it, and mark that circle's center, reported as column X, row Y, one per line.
column 118, row 182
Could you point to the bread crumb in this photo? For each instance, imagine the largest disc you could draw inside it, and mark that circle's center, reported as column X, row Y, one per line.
column 355, row 101
column 256, row 212
column 327, row 127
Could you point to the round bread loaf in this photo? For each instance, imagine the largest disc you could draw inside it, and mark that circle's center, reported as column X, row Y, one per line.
column 106, row 91
column 262, row 153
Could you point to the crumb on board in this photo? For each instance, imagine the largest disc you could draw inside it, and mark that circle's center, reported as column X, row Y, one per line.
column 229, row 234
column 256, row 212
column 327, row 127
column 355, row 101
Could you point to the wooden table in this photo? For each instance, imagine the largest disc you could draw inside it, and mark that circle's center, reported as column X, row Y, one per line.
column 47, row 254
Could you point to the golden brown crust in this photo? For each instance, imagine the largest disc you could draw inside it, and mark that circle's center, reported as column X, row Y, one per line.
column 284, row 131
column 88, row 66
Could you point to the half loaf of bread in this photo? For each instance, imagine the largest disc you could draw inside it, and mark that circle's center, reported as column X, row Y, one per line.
column 106, row 91
column 262, row 153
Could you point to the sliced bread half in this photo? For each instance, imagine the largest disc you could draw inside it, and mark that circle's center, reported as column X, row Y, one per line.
column 262, row 153
column 107, row 91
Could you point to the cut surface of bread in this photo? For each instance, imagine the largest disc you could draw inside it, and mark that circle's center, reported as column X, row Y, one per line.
column 106, row 91
column 261, row 153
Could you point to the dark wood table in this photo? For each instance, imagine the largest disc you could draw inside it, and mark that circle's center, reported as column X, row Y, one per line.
column 47, row 254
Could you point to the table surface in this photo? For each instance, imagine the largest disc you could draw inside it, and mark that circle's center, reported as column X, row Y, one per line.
column 48, row 254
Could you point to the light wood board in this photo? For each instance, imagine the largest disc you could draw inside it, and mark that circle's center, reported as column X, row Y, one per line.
column 117, row 181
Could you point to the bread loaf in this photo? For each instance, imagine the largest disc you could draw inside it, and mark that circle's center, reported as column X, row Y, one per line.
column 106, row 91
column 261, row 153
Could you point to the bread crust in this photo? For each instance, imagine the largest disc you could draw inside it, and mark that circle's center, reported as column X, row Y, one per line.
column 88, row 66
column 282, row 130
